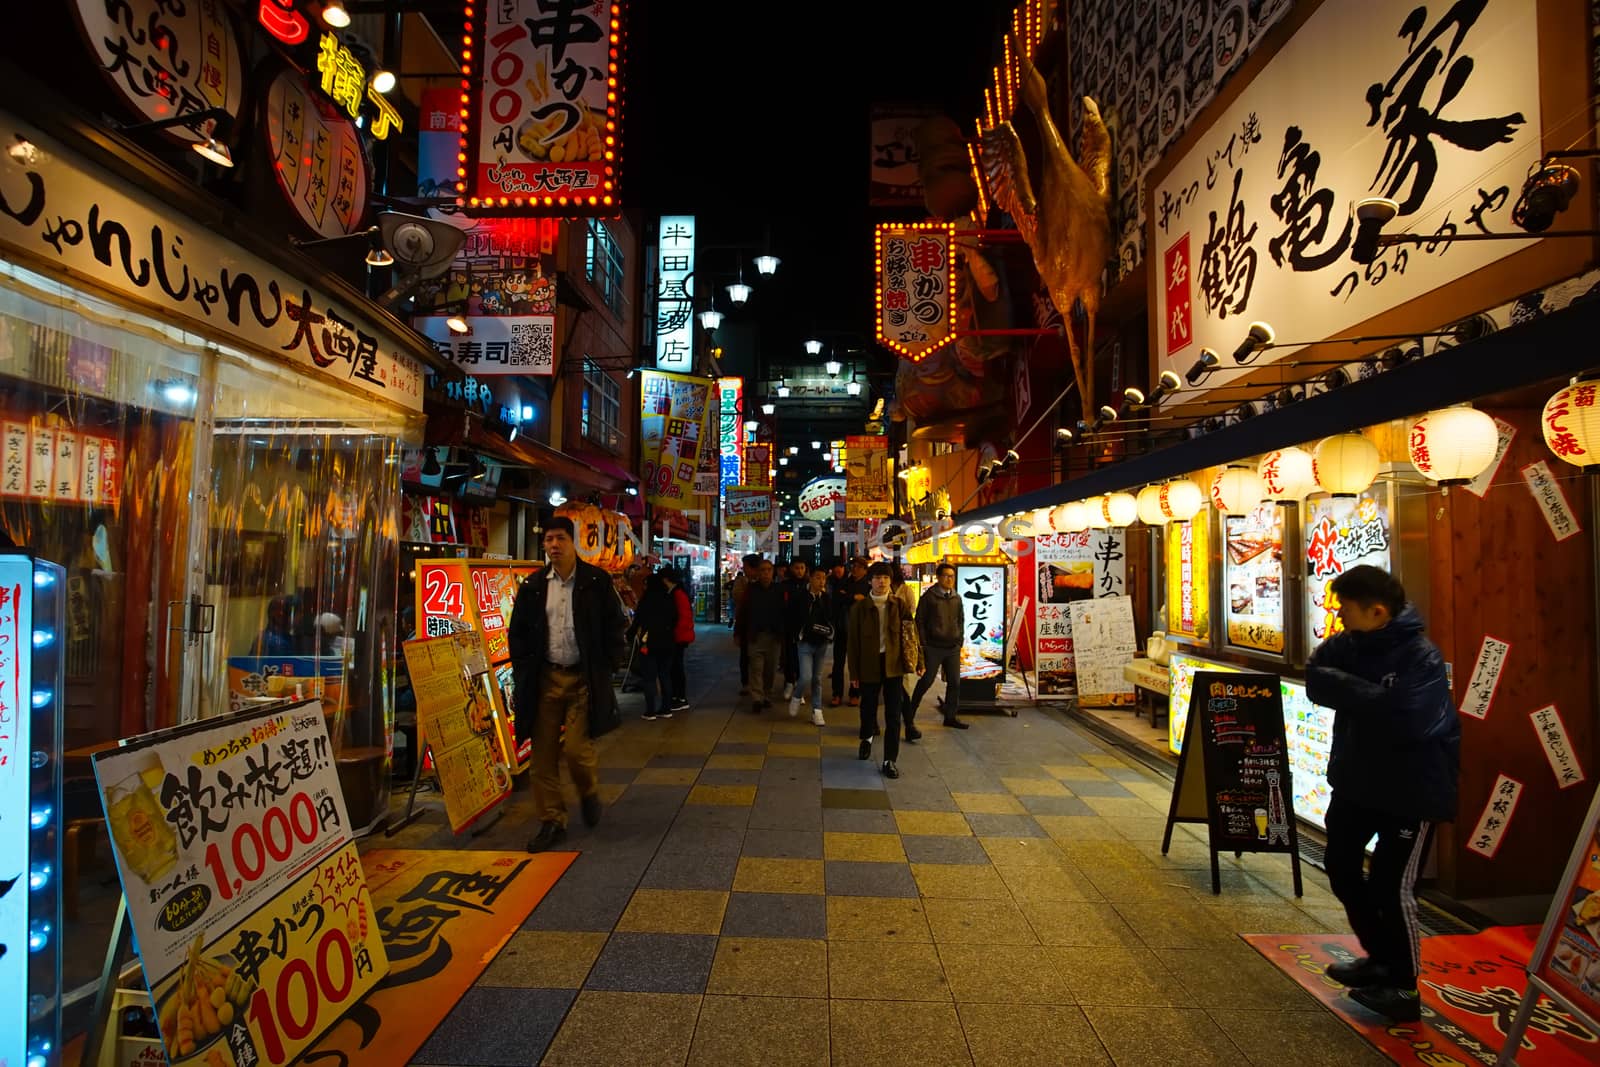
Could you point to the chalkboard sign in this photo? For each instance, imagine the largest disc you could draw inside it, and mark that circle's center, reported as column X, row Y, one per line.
column 1233, row 774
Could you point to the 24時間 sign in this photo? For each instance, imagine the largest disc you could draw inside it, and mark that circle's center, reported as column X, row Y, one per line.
column 914, row 284
column 542, row 81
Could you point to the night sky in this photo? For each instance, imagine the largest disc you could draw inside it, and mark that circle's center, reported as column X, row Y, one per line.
column 754, row 118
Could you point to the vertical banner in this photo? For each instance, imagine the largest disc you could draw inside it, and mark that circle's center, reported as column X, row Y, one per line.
column 730, row 430
column 438, row 141
column 982, row 589
column 758, row 464
column 914, row 286
column 244, row 887
column 455, row 720
column 867, row 481
column 541, row 132
column 1189, row 578
column 673, row 429
column 1103, row 642
column 675, row 294
column 1340, row 533
column 1064, row 570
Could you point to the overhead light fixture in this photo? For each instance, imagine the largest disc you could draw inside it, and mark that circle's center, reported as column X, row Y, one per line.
column 557, row 498
column 630, row 373
column 783, row 461
column 383, row 81
column 1108, row 413
column 769, row 408
column 853, row 387
column 527, row 412
column 334, row 14
column 1259, row 337
column 1134, row 396
column 215, row 151
column 767, row 264
column 512, row 434
column 752, row 425
column 631, row 490
column 827, row 457
column 1010, row 459
column 738, row 292
column 1372, row 214
column 457, row 324
column 1166, row 384
column 783, row 391
column 813, row 347
column 1063, row 436
column 176, row 391
column 1203, row 366
column 211, row 147
column 833, row 368
column 25, row 153
column 1548, row 190
column 816, row 445
column 711, row 318
column 377, row 255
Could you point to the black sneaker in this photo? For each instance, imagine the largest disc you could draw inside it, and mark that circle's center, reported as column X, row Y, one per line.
column 866, row 750
column 1396, row 1005
column 650, row 716
column 680, row 705
column 591, row 810
column 549, row 836
column 1358, row 974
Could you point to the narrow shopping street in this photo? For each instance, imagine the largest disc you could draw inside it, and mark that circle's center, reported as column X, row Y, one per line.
column 756, row 894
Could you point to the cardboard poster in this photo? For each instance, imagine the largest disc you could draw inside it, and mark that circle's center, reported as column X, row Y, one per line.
column 1103, row 642
column 455, row 719
column 247, row 898
column 1497, row 812
column 1485, row 677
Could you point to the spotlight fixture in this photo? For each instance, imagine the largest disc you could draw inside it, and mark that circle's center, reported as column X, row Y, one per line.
column 1260, row 336
column 783, row 461
column 383, row 81
column 1166, row 384
column 1134, row 396
column 1108, row 413
column 457, row 324
column 985, row 470
column 1010, row 459
column 527, row 412
column 557, row 498
column 833, row 368
column 752, row 425
column 1063, row 436
column 1372, row 214
column 334, row 14
column 631, row 489
column 211, row 148
column 1203, row 366
column 711, row 318
column 813, row 347
column 1549, row 188
column 477, row 469
column 767, row 264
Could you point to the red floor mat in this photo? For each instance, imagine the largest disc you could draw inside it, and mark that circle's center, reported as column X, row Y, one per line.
column 1471, row 986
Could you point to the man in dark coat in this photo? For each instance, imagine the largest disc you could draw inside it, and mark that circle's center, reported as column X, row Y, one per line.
column 567, row 637
column 941, row 626
column 1393, row 767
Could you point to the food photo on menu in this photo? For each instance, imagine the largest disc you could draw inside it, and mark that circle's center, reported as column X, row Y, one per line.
column 1577, row 952
column 1255, row 578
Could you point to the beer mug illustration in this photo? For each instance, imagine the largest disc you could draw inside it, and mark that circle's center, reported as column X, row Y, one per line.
column 139, row 827
column 1261, row 824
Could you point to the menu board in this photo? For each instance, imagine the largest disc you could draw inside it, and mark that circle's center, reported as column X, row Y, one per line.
column 1182, row 669
column 1064, row 572
column 1188, row 551
column 1567, row 959
column 982, row 589
column 1308, row 729
column 1252, row 566
column 1340, row 533
column 1104, row 643
column 455, row 719
column 244, row 888
column 1247, row 769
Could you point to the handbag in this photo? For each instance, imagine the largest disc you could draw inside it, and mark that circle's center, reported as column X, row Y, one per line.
column 819, row 631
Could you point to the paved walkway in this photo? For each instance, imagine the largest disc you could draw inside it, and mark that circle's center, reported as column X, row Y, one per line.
column 757, row 895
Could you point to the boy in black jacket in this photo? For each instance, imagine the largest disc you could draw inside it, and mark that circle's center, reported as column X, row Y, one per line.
column 1393, row 768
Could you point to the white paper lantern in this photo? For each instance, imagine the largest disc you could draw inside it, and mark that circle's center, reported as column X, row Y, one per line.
column 1345, row 464
column 1452, row 446
column 1237, row 490
column 1096, row 507
column 1071, row 518
column 1181, row 500
column 1120, row 509
column 1288, row 475
column 1148, row 504
column 1571, row 425
column 1041, row 522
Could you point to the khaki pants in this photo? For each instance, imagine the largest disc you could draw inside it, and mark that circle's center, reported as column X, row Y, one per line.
column 766, row 654
column 563, row 701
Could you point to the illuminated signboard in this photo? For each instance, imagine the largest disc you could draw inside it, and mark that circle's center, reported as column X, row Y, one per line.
column 1189, row 578
column 1340, row 533
column 914, row 286
column 730, row 393
column 820, row 497
column 541, row 87
column 675, row 294
column 1253, row 578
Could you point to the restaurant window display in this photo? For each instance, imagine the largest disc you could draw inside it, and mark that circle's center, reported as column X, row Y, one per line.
column 1253, row 578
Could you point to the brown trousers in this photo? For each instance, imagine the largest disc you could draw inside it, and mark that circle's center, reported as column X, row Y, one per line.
column 563, row 702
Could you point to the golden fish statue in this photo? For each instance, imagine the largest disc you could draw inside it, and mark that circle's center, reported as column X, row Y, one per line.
column 1068, row 228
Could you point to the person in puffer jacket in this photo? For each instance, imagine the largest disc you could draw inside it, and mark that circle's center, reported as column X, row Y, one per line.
column 1393, row 769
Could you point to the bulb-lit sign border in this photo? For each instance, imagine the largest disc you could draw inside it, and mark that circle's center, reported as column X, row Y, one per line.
column 922, row 349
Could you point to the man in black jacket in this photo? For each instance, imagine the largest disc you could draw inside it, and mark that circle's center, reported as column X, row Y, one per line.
column 941, row 627
column 764, row 603
column 1393, row 766
column 566, row 637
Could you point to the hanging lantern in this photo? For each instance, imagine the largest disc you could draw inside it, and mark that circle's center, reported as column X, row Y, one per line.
column 1041, row 522
column 1571, row 424
column 1237, row 490
column 1181, row 500
column 1096, row 508
column 1119, row 509
column 1288, row 475
column 1071, row 518
column 1148, row 505
column 1452, row 446
column 1345, row 464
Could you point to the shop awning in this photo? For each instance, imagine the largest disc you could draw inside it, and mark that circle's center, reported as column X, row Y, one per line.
column 568, row 472
column 1553, row 346
column 631, row 506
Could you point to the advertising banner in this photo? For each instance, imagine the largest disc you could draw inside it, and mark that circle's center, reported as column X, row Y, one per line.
column 914, row 286
column 1188, row 548
column 1436, row 108
column 1103, row 643
column 316, row 157
column 541, row 135
column 675, row 295
column 244, row 888
column 1252, row 568
column 866, row 471
column 748, row 505
column 496, row 344
column 676, row 423
column 758, row 464
column 982, row 589
column 1340, row 533
column 730, row 430
column 1064, row 565
column 820, row 496
column 455, row 720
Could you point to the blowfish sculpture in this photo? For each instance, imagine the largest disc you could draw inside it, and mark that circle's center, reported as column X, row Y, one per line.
column 1068, row 229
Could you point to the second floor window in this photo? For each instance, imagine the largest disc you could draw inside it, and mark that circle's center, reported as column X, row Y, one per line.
column 602, row 407
column 604, row 266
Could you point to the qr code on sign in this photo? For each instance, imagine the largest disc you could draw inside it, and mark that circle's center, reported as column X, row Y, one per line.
column 533, row 346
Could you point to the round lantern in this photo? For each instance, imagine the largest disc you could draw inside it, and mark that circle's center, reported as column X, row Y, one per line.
column 1096, row 508
column 1452, row 446
column 1288, row 475
column 1041, row 522
column 1120, row 509
column 1071, row 518
column 1345, row 464
column 1571, row 424
column 1181, row 500
column 1237, row 490
column 1148, row 505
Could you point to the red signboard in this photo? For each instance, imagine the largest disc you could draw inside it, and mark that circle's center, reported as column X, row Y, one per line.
column 1180, row 313
column 540, row 94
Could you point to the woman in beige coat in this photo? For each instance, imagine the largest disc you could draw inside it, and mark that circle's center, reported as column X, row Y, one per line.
column 876, row 656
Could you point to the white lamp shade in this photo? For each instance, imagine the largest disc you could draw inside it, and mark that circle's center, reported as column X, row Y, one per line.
column 1181, row 500
column 813, row 347
column 1120, row 509
column 1571, row 424
column 1287, row 475
column 711, row 319
column 738, row 292
column 783, row 392
column 853, row 388
column 1148, row 505
column 1345, row 464
column 833, row 367
column 1452, row 446
column 1237, row 490
column 767, row 264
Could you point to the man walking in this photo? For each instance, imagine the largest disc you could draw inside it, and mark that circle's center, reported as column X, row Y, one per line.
column 941, row 625
column 1393, row 767
column 764, row 627
column 795, row 588
column 741, row 631
column 567, row 637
